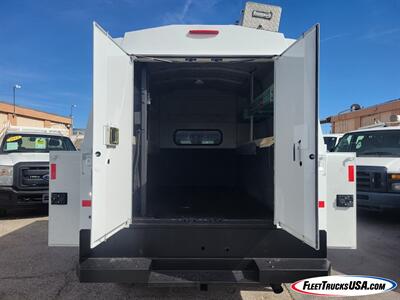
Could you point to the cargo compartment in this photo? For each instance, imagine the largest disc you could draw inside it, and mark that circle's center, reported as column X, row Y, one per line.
column 210, row 135
column 204, row 122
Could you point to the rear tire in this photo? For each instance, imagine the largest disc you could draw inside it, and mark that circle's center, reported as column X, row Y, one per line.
column 277, row 288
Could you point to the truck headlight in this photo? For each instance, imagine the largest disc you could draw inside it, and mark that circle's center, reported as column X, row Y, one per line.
column 6, row 175
column 395, row 187
column 394, row 182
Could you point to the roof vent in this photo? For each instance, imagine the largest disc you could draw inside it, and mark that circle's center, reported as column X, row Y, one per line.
column 261, row 16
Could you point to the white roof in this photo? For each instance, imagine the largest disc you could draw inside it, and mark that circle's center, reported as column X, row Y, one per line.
column 231, row 40
column 333, row 135
column 38, row 130
column 376, row 129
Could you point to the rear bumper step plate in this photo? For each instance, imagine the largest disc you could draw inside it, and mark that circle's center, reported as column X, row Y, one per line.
column 187, row 272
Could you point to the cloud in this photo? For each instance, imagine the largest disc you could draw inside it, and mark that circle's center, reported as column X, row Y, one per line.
column 19, row 74
column 336, row 36
column 28, row 102
column 178, row 17
column 377, row 34
column 129, row 2
column 55, row 99
column 372, row 35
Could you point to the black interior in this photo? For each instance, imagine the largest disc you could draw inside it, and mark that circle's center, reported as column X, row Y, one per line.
column 197, row 183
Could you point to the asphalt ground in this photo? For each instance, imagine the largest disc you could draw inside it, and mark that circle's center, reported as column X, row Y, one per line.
column 378, row 247
column 31, row 270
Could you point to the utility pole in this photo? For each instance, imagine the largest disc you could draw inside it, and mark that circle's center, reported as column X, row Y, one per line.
column 71, row 115
column 16, row 86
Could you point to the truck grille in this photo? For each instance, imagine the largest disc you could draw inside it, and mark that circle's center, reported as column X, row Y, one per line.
column 31, row 176
column 371, row 179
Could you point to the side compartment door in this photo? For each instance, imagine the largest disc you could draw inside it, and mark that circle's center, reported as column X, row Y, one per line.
column 296, row 138
column 64, row 203
column 341, row 200
column 112, row 138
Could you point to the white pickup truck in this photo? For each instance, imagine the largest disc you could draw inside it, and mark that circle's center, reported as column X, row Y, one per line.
column 24, row 165
column 378, row 165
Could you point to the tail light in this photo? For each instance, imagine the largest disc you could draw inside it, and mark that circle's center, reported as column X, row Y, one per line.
column 204, row 31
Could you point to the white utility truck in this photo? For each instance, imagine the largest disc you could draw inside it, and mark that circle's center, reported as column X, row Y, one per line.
column 200, row 162
column 378, row 164
column 24, row 164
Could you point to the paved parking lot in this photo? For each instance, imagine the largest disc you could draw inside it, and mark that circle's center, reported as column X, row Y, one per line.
column 29, row 269
column 378, row 250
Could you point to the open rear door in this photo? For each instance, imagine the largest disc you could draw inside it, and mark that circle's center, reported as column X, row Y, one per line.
column 112, row 138
column 296, row 136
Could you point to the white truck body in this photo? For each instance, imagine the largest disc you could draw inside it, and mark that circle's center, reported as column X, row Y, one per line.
column 109, row 194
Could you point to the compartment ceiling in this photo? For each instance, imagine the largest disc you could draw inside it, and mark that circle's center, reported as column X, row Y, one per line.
column 231, row 76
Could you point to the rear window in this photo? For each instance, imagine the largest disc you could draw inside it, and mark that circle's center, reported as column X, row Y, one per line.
column 198, row 137
column 35, row 143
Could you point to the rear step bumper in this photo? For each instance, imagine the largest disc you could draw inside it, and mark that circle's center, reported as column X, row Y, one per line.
column 192, row 272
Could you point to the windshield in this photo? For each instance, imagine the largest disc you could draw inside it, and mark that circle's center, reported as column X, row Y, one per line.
column 35, row 143
column 330, row 142
column 371, row 143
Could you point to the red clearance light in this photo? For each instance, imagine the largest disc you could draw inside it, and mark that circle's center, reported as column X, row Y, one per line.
column 350, row 173
column 86, row 203
column 204, row 31
column 53, row 171
column 321, row 204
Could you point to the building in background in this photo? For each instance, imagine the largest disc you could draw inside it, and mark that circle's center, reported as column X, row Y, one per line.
column 358, row 117
column 78, row 134
column 27, row 117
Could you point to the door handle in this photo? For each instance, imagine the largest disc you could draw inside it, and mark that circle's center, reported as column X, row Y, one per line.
column 294, row 152
column 299, row 149
column 298, row 145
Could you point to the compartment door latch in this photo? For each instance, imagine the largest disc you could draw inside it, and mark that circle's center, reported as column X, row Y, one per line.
column 344, row 201
column 59, row 198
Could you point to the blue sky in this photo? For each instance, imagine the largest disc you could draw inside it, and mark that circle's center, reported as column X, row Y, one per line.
column 46, row 46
